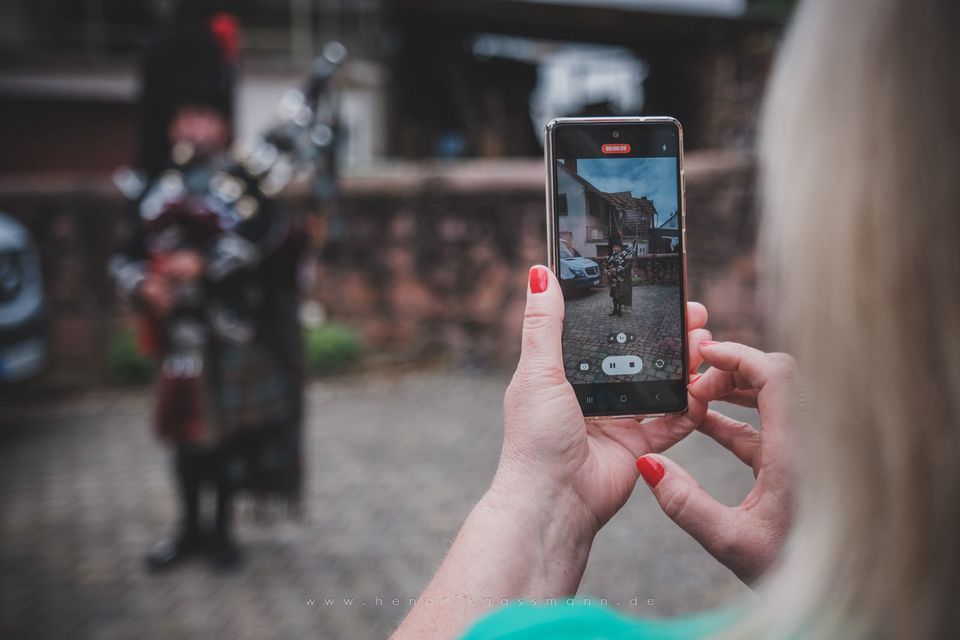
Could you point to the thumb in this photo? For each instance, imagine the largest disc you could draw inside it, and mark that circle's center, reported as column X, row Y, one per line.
column 541, row 356
column 685, row 502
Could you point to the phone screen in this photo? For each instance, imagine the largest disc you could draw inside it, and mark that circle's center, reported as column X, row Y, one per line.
column 618, row 221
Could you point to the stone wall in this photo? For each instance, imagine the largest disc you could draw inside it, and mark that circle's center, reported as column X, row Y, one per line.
column 75, row 226
column 721, row 241
column 657, row 269
column 427, row 261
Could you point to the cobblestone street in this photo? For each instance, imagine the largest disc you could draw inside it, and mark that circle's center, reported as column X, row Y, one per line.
column 394, row 465
column 651, row 325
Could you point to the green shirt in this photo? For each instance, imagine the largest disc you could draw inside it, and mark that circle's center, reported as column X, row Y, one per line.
column 591, row 622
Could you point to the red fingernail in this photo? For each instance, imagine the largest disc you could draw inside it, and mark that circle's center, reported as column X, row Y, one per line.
column 693, row 378
column 651, row 470
column 708, row 343
column 538, row 279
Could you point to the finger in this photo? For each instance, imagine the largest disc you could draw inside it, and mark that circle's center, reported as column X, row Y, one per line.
column 696, row 316
column 740, row 438
column 742, row 398
column 715, row 384
column 541, row 357
column 774, row 377
column 694, row 338
column 755, row 367
column 687, row 503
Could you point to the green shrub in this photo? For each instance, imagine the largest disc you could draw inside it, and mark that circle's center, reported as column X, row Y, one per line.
column 126, row 364
column 331, row 349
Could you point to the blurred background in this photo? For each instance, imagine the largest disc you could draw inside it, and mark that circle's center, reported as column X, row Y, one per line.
column 423, row 221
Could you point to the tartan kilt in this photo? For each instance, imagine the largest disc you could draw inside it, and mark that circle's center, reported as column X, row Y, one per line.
column 626, row 291
column 251, row 389
column 247, row 406
column 257, row 398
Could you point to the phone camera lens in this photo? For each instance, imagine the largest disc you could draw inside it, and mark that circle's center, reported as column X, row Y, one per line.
column 616, row 134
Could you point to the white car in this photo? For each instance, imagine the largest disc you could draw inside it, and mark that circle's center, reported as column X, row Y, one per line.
column 23, row 310
column 576, row 272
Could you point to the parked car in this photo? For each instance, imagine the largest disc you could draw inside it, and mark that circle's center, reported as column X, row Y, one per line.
column 576, row 272
column 23, row 309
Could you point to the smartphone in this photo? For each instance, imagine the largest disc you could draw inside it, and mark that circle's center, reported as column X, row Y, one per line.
column 616, row 241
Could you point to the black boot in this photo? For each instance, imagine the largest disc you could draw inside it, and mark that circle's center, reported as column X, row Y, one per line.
column 188, row 541
column 170, row 552
column 224, row 553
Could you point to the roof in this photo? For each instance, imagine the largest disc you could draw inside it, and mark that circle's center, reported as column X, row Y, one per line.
column 625, row 201
column 622, row 200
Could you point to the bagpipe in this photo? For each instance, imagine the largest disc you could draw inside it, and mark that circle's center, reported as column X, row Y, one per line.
column 615, row 264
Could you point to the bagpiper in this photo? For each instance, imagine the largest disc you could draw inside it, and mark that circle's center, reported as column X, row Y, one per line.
column 618, row 268
column 211, row 267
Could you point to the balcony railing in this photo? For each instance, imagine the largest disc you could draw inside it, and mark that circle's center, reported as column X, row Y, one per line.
column 600, row 235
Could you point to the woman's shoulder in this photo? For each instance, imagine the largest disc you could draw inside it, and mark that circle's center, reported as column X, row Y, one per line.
column 563, row 621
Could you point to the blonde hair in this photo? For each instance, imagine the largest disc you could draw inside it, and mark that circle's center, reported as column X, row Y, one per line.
column 860, row 170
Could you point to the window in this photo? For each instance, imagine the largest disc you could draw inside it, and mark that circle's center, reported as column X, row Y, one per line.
column 593, row 204
column 562, row 204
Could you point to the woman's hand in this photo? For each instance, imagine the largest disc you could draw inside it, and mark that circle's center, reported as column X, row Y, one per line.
column 560, row 478
column 746, row 538
column 551, row 455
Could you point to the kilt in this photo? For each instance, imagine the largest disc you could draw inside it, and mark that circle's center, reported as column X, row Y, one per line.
column 247, row 405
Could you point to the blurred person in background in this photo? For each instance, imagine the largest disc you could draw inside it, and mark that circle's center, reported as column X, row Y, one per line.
column 851, row 528
column 229, row 396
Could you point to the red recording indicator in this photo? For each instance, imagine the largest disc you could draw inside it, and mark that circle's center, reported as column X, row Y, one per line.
column 615, row 148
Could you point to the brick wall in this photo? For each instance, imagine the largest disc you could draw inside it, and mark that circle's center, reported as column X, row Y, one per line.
column 426, row 260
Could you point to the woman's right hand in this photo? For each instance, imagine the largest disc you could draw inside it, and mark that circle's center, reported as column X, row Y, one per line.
column 746, row 538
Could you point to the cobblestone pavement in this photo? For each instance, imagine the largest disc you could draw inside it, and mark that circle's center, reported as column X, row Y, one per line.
column 395, row 464
column 652, row 327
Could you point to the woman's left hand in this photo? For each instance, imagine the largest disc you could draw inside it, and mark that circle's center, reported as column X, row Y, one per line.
column 549, row 450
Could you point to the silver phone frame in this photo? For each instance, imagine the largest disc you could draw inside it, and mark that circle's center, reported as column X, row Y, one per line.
column 552, row 262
